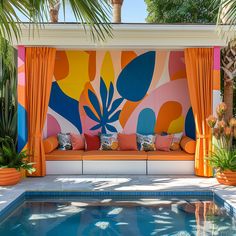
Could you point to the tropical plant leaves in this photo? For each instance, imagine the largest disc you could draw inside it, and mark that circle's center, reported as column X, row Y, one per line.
column 105, row 116
column 111, row 128
column 114, row 117
column 90, row 114
column 93, row 15
column 93, row 99
column 116, row 104
column 110, row 96
column 223, row 159
column 103, row 93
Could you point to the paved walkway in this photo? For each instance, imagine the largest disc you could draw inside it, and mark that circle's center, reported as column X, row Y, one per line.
column 116, row 183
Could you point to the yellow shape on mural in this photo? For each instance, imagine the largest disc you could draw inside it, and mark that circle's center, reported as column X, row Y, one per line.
column 107, row 70
column 176, row 126
column 78, row 75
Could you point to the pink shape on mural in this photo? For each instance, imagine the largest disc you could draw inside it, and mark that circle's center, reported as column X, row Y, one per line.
column 176, row 65
column 216, row 58
column 176, row 90
column 53, row 127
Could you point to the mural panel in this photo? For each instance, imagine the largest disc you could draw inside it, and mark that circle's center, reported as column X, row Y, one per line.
column 119, row 91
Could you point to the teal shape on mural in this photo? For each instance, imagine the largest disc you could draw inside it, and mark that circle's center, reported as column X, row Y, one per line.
column 135, row 79
column 146, row 121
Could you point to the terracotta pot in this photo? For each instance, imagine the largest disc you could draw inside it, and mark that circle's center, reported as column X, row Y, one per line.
column 226, row 177
column 9, row 176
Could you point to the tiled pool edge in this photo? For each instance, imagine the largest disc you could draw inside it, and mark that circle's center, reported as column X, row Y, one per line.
column 19, row 199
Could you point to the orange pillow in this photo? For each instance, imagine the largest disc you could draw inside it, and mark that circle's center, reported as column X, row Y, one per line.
column 163, row 142
column 188, row 145
column 127, row 142
column 77, row 141
column 50, row 144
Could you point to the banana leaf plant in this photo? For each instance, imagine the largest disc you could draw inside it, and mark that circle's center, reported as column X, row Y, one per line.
column 10, row 158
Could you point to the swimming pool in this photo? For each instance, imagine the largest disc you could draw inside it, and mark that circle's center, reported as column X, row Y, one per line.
column 60, row 213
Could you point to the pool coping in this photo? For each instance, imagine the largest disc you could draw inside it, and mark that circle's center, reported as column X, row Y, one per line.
column 17, row 201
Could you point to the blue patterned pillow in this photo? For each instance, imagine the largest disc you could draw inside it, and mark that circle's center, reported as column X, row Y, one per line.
column 146, row 142
column 109, row 142
column 64, row 141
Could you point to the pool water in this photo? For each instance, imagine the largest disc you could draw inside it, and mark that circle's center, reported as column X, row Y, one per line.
column 69, row 216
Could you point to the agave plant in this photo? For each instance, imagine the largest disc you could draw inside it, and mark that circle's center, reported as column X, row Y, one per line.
column 10, row 158
column 223, row 159
column 107, row 112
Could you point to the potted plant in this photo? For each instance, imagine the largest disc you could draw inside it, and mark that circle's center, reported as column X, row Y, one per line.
column 223, row 156
column 11, row 162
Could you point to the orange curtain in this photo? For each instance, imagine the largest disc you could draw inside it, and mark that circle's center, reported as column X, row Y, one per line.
column 199, row 67
column 39, row 73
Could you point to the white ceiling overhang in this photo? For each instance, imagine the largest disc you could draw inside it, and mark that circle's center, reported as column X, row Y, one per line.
column 130, row 36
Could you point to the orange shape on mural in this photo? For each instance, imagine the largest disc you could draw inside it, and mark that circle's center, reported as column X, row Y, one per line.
column 126, row 111
column 61, row 69
column 92, row 65
column 181, row 74
column 127, row 57
column 168, row 112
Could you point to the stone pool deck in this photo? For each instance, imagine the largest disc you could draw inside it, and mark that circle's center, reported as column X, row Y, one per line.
column 117, row 183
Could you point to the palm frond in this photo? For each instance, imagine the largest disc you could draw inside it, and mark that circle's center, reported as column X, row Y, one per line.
column 94, row 15
column 226, row 19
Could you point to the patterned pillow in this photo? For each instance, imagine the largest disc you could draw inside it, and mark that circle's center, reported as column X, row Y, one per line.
column 146, row 142
column 109, row 142
column 64, row 141
column 175, row 145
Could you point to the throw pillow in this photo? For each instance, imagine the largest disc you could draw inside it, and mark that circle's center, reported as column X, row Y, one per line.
column 127, row 142
column 50, row 144
column 188, row 144
column 146, row 142
column 92, row 142
column 77, row 141
column 175, row 145
column 64, row 141
column 163, row 143
column 109, row 142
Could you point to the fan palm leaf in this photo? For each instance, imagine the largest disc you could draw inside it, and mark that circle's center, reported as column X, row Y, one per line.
column 226, row 16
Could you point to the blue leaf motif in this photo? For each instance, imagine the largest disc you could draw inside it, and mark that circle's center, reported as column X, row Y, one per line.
column 135, row 79
column 104, row 130
column 103, row 93
column 93, row 99
column 115, row 105
column 111, row 128
column 110, row 96
column 114, row 117
column 90, row 114
column 95, row 127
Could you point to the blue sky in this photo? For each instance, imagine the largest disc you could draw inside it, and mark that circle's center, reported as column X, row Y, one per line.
column 133, row 11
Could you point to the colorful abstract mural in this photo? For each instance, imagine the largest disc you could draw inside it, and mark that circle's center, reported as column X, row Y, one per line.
column 22, row 114
column 119, row 91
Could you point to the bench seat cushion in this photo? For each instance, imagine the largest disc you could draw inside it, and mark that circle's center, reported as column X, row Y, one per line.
column 114, row 155
column 60, row 155
column 170, row 156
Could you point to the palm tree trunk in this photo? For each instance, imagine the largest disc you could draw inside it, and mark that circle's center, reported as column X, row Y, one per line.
column 228, row 62
column 228, row 100
column 54, row 6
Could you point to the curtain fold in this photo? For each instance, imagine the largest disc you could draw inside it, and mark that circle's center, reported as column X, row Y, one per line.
column 199, row 67
column 39, row 73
